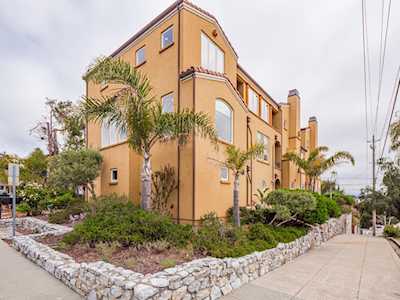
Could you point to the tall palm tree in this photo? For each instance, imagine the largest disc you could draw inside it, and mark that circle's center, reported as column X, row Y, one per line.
column 317, row 163
column 132, row 109
column 236, row 161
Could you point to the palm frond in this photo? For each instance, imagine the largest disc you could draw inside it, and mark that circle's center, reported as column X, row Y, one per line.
column 237, row 159
column 180, row 125
column 297, row 160
column 338, row 157
column 395, row 135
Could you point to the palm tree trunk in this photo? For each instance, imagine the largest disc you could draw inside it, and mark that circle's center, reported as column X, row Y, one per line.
column 146, row 182
column 236, row 209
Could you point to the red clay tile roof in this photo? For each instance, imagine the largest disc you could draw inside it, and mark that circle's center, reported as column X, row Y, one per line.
column 209, row 72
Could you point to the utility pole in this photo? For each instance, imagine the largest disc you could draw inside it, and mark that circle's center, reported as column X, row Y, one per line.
column 373, row 147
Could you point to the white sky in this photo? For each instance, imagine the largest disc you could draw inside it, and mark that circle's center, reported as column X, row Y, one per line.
column 312, row 45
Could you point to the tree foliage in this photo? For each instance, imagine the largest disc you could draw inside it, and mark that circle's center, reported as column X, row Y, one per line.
column 290, row 205
column 132, row 108
column 34, row 167
column 318, row 163
column 73, row 168
column 236, row 161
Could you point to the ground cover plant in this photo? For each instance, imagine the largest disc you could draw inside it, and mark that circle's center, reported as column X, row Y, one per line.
column 117, row 231
column 391, row 231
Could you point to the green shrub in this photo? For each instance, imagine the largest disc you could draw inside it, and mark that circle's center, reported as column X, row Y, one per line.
column 290, row 205
column 75, row 207
column 33, row 196
column 320, row 214
column 113, row 219
column 218, row 240
column 23, row 207
column 258, row 214
column 62, row 201
column 391, row 231
column 334, row 210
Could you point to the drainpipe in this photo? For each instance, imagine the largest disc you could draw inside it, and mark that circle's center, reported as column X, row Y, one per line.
column 249, row 170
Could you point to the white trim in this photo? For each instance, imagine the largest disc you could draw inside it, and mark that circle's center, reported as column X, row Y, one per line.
column 224, row 179
column 112, row 170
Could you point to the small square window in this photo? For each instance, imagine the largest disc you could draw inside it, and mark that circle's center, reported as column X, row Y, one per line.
column 140, row 56
column 167, row 37
column 167, row 103
column 114, row 175
column 224, row 174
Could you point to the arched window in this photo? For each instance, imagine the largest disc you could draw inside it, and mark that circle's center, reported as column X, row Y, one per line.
column 224, row 121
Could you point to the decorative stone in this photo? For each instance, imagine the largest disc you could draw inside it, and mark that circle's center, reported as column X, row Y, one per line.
column 215, row 293
column 116, row 291
column 194, row 286
column 143, row 292
column 159, row 282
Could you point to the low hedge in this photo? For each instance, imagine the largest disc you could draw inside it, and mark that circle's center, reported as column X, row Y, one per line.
column 118, row 220
column 114, row 219
column 391, row 231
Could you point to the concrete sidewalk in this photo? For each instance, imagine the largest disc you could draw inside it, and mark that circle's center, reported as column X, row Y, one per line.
column 347, row 267
column 20, row 279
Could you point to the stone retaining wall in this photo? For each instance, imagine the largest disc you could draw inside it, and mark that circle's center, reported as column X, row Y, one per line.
column 207, row 278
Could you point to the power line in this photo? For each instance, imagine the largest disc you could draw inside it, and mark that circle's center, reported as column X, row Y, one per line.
column 365, row 47
column 391, row 116
column 382, row 54
column 390, row 106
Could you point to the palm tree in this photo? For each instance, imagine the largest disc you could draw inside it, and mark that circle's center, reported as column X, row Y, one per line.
column 317, row 163
column 395, row 135
column 236, row 161
column 132, row 109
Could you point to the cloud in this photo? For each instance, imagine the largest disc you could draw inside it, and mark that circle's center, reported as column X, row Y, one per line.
column 314, row 46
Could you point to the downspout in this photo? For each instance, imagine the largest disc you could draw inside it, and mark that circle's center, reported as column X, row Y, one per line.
column 250, row 170
column 179, row 109
column 194, row 156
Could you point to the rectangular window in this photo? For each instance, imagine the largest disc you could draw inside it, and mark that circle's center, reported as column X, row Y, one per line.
column 167, row 103
column 224, row 174
column 264, row 111
column 264, row 140
column 110, row 135
column 212, row 57
column 140, row 56
column 167, row 37
column 114, row 175
column 253, row 101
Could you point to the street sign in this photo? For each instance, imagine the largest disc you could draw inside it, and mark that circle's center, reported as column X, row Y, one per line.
column 13, row 170
column 13, row 173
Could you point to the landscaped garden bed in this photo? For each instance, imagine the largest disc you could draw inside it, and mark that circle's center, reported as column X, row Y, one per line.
column 122, row 252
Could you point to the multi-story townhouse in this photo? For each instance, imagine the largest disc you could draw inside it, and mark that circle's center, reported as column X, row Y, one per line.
column 191, row 64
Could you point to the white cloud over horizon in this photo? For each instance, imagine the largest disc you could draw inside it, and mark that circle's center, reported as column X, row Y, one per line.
column 314, row 46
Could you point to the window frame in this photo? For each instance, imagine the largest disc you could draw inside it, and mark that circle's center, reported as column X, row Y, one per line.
column 106, row 131
column 219, row 54
column 266, row 146
column 171, row 94
column 265, row 104
column 257, row 112
column 162, row 39
column 231, row 121
column 137, row 64
column 221, row 178
column 112, row 172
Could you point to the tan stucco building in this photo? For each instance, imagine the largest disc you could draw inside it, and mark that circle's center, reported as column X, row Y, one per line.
column 191, row 64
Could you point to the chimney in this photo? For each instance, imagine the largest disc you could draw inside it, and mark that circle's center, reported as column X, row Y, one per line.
column 294, row 112
column 313, row 124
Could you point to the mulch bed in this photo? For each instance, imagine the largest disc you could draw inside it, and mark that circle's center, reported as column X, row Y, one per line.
column 145, row 260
